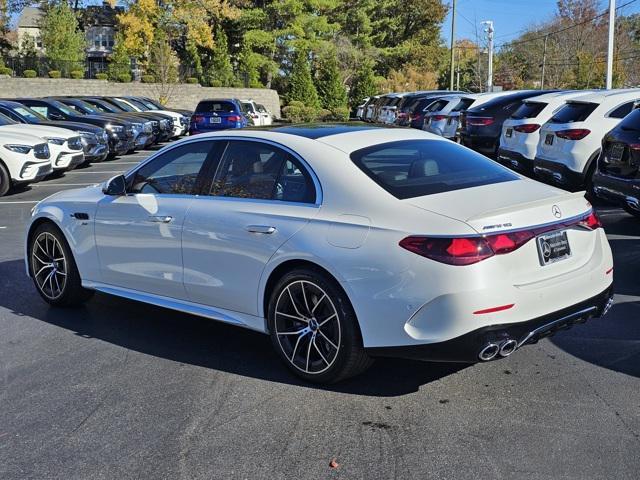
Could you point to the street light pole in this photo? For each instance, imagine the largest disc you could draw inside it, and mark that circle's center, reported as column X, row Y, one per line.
column 544, row 61
column 612, row 26
column 453, row 40
column 489, row 30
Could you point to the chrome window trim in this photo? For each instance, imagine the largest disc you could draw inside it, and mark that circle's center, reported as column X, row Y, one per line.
column 305, row 164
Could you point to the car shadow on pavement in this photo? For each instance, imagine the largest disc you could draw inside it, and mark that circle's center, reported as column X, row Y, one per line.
column 188, row 339
column 613, row 342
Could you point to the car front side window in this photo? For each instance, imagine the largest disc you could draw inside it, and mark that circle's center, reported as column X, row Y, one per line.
column 175, row 171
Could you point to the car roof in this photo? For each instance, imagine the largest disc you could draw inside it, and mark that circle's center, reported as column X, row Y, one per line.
column 556, row 97
column 315, row 131
column 611, row 96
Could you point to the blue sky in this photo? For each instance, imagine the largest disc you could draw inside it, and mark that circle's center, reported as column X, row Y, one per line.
column 509, row 16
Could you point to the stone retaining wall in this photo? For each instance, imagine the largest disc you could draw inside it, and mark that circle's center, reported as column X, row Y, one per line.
column 180, row 96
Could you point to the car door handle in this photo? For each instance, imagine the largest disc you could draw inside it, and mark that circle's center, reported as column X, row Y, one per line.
column 160, row 218
column 260, row 229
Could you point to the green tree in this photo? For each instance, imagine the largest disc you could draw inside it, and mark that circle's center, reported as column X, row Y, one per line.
column 163, row 65
column 219, row 71
column 119, row 60
column 330, row 88
column 363, row 84
column 62, row 39
column 301, row 87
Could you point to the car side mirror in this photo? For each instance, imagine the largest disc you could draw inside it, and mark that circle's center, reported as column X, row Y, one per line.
column 116, row 186
column 56, row 116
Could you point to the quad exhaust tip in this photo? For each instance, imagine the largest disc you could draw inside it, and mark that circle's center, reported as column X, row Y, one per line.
column 489, row 352
column 503, row 349
column 508, row 347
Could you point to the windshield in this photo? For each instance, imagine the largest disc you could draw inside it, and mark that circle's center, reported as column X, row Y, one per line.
column 62, row 107
column 151, row 104
column 4, row 120
column 28, row 113
column 414, row 168
column 123, row 105
column 138, row 104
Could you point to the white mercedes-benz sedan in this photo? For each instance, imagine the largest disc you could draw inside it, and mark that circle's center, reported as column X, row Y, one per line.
column 342, row 242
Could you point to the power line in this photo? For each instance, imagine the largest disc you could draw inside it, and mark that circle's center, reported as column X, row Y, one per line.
column 564, row 29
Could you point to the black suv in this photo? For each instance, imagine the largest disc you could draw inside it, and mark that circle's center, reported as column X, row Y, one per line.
column 617, row 174
column 481, row 126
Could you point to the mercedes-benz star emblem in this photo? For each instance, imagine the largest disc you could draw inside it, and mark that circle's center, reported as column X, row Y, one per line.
column 546, row 249
column 556, row 211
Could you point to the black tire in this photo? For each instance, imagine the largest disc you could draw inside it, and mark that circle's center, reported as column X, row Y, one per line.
column 65, row 273
column 5, row 180
column 323, row 300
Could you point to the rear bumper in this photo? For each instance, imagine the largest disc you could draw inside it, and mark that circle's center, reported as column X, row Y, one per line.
column 515, row 160
column 482, row 143
column 557, row 173
column 625, row 192
column 466, row 348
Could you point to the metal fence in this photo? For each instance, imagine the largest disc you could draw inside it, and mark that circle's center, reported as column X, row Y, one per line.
column 90, row 68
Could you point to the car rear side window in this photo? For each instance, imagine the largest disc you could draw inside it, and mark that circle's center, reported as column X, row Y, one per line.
column 528, row 110
column 414, row 168
column 437, row 106
column 262, row 171
column 622, row 111
column 216, row 107
column 574, row 112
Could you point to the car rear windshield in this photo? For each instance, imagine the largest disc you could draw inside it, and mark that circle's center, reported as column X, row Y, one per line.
column 436, row 106
column 414, row 168
column 463, row 104
column 528, row 110
column 216, row 107
column 574, row 112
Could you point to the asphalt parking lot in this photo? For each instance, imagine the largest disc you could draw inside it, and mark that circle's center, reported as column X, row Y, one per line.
column 122, row 390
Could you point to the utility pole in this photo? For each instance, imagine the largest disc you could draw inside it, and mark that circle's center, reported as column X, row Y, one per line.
column 453, row 40
column 458, row 72
column 489, row 30
column 544, row 61
column 612, row 26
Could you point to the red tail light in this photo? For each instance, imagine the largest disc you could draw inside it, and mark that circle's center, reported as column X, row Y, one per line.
column 527, row 128
column 233, row 118
column 452, row 251
column 634, row 146
column 573, row 133
column 591, row 221
column 438, row 118
column 480, row 121
column 470, row 250
column 197, row 118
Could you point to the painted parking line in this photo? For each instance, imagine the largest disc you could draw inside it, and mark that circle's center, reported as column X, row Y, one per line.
column 123, row 163
column 16, row 202
column 2, row 228
column 95, row 172
column 40, row 185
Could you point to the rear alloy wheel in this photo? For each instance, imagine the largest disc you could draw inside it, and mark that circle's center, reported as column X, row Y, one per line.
column 53, row 268
column 314, row 329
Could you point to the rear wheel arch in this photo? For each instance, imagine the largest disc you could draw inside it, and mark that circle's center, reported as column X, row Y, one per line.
column 288, row 266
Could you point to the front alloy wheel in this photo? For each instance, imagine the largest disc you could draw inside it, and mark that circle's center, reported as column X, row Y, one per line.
column 314, row 329
column 54, row 269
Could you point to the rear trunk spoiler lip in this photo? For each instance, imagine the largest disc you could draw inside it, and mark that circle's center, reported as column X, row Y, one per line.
column 519, row 206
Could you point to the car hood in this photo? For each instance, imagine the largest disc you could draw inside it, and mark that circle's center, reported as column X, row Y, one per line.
column 39, row 130
column 77, row 126
column 22, row 138
column 505, row 206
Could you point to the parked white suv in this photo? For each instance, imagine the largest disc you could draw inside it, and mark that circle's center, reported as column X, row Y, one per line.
column 570, row 141
column 180, row 126
column 65, row 145
column 436, row 114
column 23, row 159
column 521, row 132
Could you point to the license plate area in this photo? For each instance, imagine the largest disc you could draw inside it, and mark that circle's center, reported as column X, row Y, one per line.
column 616, row 151
column 548, row 140
column 553, row 247
column 215, row 120
column 508, row 133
